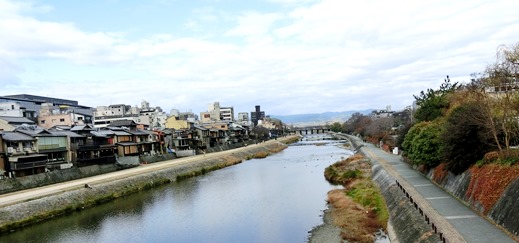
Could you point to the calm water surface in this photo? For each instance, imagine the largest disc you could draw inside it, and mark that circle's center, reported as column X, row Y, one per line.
column 276, row 199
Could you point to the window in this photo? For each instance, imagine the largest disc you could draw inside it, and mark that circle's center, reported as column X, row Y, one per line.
column 42, row 121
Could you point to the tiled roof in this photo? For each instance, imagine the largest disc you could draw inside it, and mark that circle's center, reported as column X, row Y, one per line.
column 16, row 137
column 67, row 133
column 121, row 133
column 81, row 128
column 16, row 120
column 103, row 133
column 122, row 123
column 33, row 131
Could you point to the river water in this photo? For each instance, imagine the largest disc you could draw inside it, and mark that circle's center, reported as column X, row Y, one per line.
column 276, row 199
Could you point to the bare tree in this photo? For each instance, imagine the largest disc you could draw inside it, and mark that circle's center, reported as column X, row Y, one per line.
column 497, row 93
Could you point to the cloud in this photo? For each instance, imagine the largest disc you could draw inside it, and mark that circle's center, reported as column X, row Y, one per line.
column 301, row 57
column 254, row 24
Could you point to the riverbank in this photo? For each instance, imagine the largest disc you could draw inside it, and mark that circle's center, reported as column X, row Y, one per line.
column 358, row 210
column 39, row 204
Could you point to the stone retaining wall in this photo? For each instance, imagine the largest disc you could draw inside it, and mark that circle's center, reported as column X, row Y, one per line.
column 21, row 183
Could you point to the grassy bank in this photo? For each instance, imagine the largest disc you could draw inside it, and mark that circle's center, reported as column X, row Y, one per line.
column 359, row 209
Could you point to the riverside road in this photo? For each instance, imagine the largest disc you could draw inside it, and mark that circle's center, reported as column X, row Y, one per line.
column 468, row 223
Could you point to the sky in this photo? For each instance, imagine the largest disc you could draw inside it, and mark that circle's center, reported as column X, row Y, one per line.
column 288, row 56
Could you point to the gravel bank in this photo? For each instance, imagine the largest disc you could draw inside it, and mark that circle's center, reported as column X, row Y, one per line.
column 326, row 232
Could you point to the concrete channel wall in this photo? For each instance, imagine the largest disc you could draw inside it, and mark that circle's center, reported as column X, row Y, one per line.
column 31, row 211
column 52, row 177
column 411, row 216
column 408, row 224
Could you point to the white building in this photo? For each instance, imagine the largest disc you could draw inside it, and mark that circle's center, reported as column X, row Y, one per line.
column 243, row 118
column 145, row 115
column 11, row 109
column 217, row 113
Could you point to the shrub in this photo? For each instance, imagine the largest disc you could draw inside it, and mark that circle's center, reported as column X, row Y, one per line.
column 422, row 144
column 464, row 138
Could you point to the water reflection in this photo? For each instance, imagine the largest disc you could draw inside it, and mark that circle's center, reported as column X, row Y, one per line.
column 276, row 199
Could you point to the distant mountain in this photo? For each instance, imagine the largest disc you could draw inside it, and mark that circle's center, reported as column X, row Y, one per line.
column 318, row 118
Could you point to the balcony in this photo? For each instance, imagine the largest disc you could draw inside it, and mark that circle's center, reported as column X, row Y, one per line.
column 52, row 147
column 27, row 165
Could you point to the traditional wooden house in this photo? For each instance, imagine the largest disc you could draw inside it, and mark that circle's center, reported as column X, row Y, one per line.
column 54, row 146
column 99, row 149
column 74, row 142
column 238, row 134
column 217, row 137
column 145, row 141
column 201, row 138
column 21, row 157
column 10, row 123
column 124, row 140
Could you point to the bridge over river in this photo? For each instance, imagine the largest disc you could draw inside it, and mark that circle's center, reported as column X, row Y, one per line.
column 310, row 130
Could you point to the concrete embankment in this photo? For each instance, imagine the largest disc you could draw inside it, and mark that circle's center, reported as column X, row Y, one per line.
column 37, row 209
column 406, row 223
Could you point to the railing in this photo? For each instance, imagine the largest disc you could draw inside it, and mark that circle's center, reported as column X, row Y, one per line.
column 27, row 165
column 49, row 147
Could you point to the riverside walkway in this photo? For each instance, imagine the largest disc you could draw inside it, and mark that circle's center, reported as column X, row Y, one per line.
column 39, row 192
column 450, row 213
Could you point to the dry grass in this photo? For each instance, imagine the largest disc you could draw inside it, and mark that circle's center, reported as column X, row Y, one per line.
column 357, row 223
column 359, row 209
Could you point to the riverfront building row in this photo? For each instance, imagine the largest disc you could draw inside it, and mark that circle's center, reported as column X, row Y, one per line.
column 39, row 134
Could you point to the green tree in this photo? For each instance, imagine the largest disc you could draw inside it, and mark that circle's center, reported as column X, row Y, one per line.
column 434, row 103
column 422, row 144
column 336, row 127
column 464, row 139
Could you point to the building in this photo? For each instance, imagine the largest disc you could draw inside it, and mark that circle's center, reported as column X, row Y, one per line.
column 21, row 156
column 50, row 116
column 146, row 115
column 30, row 105
column 212, row 114
column 11, row 108
column 216, row 113
column 174, row 122
column 227, row 113
column 54, row 146
column 10, row 123
column 243, row 119
column 257, row 115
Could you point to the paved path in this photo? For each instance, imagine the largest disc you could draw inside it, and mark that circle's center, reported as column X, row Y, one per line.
column 468, row 223
column 34, row 193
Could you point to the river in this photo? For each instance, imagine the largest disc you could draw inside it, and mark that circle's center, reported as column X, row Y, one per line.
column 276, row 199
